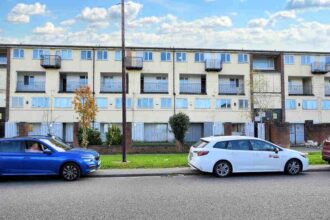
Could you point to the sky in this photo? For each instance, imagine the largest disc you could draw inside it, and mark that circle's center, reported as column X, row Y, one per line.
column 300, row 25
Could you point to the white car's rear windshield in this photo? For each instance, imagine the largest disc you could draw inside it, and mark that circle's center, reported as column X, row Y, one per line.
column 200, row 144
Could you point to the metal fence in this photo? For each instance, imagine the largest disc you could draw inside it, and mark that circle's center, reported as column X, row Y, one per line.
column 231, row 88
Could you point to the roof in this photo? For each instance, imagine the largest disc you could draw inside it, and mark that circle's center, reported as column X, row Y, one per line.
column 227, row 138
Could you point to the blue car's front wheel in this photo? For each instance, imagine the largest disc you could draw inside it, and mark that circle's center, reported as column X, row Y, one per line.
column 70, row 171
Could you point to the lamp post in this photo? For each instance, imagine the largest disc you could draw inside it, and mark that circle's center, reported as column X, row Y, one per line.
column 123, row 66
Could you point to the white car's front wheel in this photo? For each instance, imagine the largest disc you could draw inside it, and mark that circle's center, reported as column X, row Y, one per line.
column 293, row 167
column 222, row 169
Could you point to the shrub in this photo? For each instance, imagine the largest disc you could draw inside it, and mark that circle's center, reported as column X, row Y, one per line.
column 113, row 136
column 179, row 124
column 94, row 136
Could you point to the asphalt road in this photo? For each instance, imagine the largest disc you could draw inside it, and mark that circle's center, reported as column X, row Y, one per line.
column 248, row 196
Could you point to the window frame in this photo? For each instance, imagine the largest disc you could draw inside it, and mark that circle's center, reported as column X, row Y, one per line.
column 244, row 58
column 182, row 55
column 168, row 56
column 104, row 53
column 86, row 53
column 21, row 53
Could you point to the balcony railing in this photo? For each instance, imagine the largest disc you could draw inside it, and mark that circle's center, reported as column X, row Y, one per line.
column 115, row 86
column 72, row 86
column 300, row 90
column 3, row 60
column 192, row 88
column 30, row 87
column 50, row 61
column 327, row 90
column 134, row 63
column 231, row 89
column 155, row 87
column 320, row 67
column 213, row 65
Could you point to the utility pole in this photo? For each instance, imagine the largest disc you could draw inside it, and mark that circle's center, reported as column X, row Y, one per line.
column 123, row 68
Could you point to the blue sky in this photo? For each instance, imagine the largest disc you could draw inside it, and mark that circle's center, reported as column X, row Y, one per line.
column 248, row 24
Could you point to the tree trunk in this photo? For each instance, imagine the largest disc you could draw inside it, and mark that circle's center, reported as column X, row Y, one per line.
column 84, row 142
column 179, row 146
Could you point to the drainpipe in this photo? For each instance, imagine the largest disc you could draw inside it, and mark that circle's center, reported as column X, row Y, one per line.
column 174, row 94
column 93, row 80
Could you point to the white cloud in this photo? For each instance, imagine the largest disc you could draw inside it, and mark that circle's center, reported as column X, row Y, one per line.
column 68, row 22
column 307, row 4
column 21, row 12
column 94, row 14
column 272, row 19
column 48, row 29
column 132, row 9
column 259, row 22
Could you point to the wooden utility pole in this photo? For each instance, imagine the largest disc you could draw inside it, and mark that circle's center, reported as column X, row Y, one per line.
column 123, row 66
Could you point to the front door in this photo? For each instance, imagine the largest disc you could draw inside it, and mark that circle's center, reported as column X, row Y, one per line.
column 264, row 156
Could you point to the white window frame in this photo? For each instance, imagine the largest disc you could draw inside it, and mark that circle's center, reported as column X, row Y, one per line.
column 168, row 56
column 20, row 53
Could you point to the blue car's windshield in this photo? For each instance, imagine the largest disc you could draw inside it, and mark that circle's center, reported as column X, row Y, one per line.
column 57, row 145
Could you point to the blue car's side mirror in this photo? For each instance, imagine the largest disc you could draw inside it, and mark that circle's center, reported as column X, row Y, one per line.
column 47, row 151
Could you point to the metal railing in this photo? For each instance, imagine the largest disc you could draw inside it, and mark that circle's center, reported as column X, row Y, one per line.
column 37, row 86
column 134, row 63
column 327, row 89
column 231, row 88
column 115, row 86
column 213, row 65
column 72, row 86
column 300, row 90
column 50, row 61
column 155, row 87
column 192, row 88
column 320, row 67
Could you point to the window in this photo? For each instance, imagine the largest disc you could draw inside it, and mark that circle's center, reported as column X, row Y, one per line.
column 181, row 103
column 221, row 145
column 305, row 60
column 200, row 144
column 181, row 57
column 65, row 54
column 63, row 102
column 147, row 56
column 288, row 59
column 309, row 104
column 327, row 60
column 224, row 103
column 83, row 80
column 225, row 57
column 242, row 58
column 290, row 104
column 165, row 56
column 199, row 57
column 37, row 53
column 17, row 102
column 326, row 104
column 119, row 103
column 145, row 103
column 118, row 55
column 263, row 64
column 243, row 104
column 18, row 53
column 40, row 102
column 102, row 55
column 86, row 54
column 28, row 80
column 239, row 145
column 102, row 103
column 202, row 103
column 12, row 146
column 165, row 102
column 262, row 146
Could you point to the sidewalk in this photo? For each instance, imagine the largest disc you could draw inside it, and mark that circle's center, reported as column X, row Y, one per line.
column 186, row 171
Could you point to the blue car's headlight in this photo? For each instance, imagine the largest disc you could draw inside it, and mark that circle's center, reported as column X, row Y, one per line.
column 88, row 158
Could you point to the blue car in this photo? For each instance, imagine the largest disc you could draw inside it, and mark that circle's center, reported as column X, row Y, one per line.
column 43, row 155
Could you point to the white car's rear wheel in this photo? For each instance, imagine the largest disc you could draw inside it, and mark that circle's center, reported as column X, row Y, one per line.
column 293, row 167
column 222, row 169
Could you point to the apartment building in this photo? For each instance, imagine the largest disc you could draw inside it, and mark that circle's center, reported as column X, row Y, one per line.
column 212, row 86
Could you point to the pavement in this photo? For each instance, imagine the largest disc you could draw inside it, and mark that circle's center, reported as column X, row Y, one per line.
column 186, row 171
column 243, row 196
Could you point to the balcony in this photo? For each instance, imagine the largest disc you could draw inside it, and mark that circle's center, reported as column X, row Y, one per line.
column 31, row 87
column 213, row 65
column 50, row 61
column 112, row 87
column 231, row 89
column 320, row 68
column 154, row 87
column 192, row 88
column 134, row 63
column 296, row 90
column 327, row 90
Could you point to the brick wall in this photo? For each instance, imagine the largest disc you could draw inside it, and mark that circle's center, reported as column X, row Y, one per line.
column 279, row 133
column 316, row 132
column 228, row 128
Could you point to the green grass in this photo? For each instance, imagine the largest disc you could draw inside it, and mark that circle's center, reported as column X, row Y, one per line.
column 167, row 160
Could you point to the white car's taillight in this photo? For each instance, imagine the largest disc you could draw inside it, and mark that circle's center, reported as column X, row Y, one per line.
column 202, row 153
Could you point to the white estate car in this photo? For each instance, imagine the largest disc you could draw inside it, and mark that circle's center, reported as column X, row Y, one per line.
column 224, row 155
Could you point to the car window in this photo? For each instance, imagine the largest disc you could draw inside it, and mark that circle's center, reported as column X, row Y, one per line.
column 34, row 147
column 12, row 146
column 239, row 145
column 200, row 144
column 221, row 145
column 262, row 146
